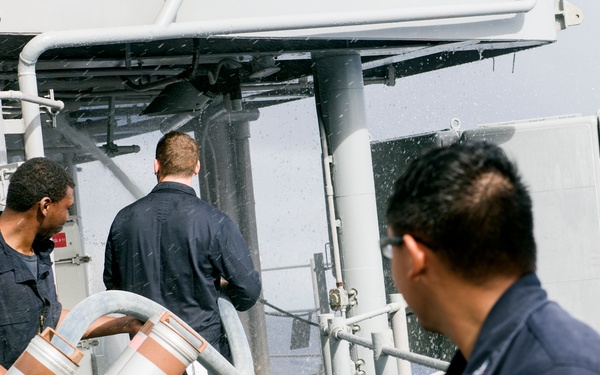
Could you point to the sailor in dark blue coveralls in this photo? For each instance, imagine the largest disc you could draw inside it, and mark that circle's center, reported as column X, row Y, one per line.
column 40, row 194
column 179, row 251
column 463, row 254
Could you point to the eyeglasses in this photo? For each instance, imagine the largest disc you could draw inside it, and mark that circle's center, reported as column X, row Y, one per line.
column 387, row 243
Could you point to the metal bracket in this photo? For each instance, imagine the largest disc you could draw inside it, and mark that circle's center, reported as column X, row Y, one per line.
column 52, row 113
column 76, row 260
column 352, row 297
column 390, row 76
column 567, row 15
column 448, row 137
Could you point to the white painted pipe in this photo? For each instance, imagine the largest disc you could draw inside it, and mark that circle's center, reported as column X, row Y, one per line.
column 18, row 95
column 335, row 245
column 384, row 364
column 88, row 144
column 434, row 363
column 324, row 323
column 76, row 38
column 341, row 362
column 341, row 95
column 168, row 13
column 400, row 330
column 391, row 307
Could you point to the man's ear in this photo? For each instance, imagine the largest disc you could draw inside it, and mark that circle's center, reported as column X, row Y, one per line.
column 156, row 167
column 197, row 169
column 44, row 205
column 417, row 257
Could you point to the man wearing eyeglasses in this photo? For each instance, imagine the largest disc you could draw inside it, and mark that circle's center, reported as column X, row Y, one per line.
column 463, row 254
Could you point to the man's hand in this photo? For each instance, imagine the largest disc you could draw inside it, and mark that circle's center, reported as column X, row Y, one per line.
column 108, row 325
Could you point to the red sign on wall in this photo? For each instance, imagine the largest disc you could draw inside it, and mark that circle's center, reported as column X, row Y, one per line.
column 60, row 239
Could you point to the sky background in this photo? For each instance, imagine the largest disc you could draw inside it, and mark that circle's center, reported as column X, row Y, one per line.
column 558, row 79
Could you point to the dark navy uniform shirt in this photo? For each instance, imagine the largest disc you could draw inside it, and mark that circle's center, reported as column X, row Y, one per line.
column 527, row 334
column 28, row 303
column 173, row 248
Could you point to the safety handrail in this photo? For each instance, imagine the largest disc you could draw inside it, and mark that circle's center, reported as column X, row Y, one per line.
column 389, row 308
column 338, row 330
column 401, row 354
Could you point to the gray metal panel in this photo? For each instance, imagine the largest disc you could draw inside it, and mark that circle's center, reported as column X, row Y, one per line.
column 390, row 158
column 558, row 159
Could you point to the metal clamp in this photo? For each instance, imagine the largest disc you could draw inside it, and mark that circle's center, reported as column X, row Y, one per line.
column 340, row 299
column 77, row 260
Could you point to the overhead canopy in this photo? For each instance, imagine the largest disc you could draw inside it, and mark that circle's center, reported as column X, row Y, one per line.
column 250, row 54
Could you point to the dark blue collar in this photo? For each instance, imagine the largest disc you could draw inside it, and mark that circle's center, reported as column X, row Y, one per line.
column 171, row 186
column 9, row 261
column 504, row 320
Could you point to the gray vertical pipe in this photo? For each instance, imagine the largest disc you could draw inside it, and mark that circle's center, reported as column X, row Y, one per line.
column 322, row 295
column 228, row 166
column 207, row 192
column 255, row 317
column 3, row 150
column 223, row 160
column 340, row 101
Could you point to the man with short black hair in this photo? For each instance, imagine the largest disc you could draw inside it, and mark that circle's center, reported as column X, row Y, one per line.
column 177, row 250
column 460, row 228
column 40, row 194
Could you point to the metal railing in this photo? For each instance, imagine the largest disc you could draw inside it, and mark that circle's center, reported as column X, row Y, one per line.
column 336, row 336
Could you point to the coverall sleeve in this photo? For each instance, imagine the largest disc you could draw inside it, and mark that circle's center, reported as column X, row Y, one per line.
column 111, row 274
column 235, row 262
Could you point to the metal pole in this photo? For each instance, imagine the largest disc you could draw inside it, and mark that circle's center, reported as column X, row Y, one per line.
column 321, row 295
column 88, row 144
column 257, row 324
column 329, row 196
column 340, row 96
column 168, row 12
column 17, row 95
column 417, row 358
column 111, row 124
column 392, row 307
column 224, row 172
column 400, row 329
column 229, row 168
column 412, row 357
column 3, row 151
column 341, row 363
column 384, row 365
column 324, row 322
